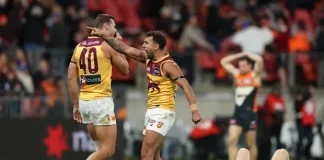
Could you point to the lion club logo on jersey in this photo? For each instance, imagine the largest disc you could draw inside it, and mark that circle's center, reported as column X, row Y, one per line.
column 156, row 71
column 160, row 124
column 154, row 85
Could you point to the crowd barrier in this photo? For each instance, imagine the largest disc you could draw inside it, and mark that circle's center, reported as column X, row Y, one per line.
column 310, row 64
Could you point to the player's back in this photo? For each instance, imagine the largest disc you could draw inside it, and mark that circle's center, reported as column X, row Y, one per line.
column 94, row 69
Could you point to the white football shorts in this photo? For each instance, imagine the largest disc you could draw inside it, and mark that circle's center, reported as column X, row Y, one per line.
column 98, row 112
column 159, row 120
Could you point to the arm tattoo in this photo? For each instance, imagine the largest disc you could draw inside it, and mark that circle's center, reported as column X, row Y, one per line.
column 116, row 45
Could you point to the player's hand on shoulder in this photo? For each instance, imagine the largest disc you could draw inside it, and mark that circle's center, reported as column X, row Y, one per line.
column 196, row 117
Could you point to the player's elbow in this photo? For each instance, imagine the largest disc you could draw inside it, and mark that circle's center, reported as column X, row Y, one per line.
column 223, row 62
column 124, row 71
column 71, row 76
column 259, row 60
column 187, row 88
column 71, row 79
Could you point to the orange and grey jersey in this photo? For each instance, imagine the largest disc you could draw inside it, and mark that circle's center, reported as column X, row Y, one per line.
column 247, row 87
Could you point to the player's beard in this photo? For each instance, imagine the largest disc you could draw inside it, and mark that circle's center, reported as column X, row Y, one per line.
column 150, row 54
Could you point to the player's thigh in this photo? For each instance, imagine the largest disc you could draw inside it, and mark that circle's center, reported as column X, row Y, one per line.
column 84, row 111
column 250, row 137
column 92, row 131
column 280, row 154
column 152, row 141
column 243, row 154
column 234, row 133
column 107, row 136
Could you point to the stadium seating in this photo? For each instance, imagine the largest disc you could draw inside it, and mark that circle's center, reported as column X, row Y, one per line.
column 270, row 67
column 206, row 61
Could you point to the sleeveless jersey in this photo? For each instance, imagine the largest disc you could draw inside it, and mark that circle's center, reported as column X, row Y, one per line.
column 161, row 89
column 247, row 87
column 94, row 69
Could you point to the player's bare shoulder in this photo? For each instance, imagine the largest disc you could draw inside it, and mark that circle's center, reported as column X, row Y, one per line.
column 170, row 68
column 107, row 50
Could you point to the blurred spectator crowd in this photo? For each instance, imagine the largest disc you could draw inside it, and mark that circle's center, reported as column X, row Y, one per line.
column 205, row 29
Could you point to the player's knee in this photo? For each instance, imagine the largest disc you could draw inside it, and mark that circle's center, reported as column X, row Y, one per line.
column 157, row 156
column 251, row 144
column 233, row 140
column 109, row 152
column 147, row 150
column 145, row 153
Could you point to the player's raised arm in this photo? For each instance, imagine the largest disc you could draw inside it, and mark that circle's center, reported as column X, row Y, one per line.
column 73, row 88
column 121, row 47
column 227, row 63
column 173, row 71
column 258, row 66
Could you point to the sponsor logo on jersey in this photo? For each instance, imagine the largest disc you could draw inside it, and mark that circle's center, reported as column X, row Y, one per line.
column 253, row 125
column 90, row 79
column 247, row 81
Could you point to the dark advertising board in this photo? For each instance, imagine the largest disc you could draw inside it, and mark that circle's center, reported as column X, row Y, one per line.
column 43, row 139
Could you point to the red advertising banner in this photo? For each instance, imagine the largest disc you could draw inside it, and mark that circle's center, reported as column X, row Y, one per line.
column 43, row 139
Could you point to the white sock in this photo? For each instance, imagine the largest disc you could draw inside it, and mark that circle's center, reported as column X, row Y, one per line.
column 97, row 144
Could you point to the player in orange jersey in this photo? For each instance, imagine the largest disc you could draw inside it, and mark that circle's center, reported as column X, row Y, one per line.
column 163, row 76
column 280, row 154
column 247, row 82
column 92, row 63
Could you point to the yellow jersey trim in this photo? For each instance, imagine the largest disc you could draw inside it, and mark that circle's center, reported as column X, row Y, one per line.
column 166, row 55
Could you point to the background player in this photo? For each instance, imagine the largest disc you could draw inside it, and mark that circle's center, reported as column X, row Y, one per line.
column 92, row 62
column 163, row 74
column 247, row 82
column 280, row 154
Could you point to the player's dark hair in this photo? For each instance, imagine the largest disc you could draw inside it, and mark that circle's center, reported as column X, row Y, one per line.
column 102, row 19
column 247, row 59
column 158, row 37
